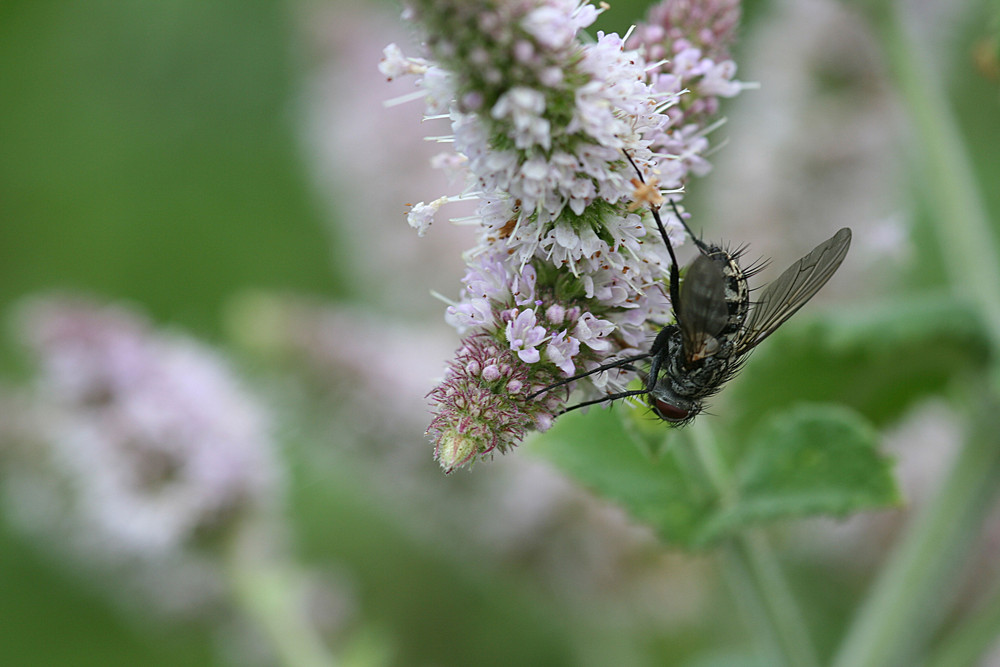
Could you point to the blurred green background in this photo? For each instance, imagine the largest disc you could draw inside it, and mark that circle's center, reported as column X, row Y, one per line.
column 153, row 152
column 149, row 153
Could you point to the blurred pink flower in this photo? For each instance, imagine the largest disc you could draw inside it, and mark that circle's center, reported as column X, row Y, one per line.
column 133, row 446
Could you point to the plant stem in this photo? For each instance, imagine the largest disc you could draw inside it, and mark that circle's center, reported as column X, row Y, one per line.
column 977, row 634
column 908, row 599
column 269, row 590
column 754, row 572
column 911, row 593
column 963, row 228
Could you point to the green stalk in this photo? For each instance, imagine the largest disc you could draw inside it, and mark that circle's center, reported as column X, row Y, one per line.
column 972, row 639
column 754, row 573
column 963, row 228
column 910, row 596
column 268, row 589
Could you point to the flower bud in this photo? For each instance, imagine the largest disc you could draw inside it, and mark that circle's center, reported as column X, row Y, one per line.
column 454, row 450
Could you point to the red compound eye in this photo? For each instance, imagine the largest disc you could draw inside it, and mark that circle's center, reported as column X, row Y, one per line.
column 671, row 413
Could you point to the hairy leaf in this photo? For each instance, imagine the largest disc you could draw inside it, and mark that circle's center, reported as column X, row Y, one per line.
column 810, row 460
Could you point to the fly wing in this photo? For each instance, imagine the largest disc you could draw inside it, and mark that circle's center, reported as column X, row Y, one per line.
column 782, row 298
column 703, row 311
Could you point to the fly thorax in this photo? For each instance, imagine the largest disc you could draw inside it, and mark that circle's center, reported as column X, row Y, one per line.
column 697, row 380
column 706, row 345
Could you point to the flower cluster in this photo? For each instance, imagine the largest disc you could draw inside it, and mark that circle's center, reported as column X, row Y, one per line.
column 690, row 40
column 559, row 138
column 133, row 444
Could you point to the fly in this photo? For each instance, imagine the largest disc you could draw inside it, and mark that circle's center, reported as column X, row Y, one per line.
column 716, row 324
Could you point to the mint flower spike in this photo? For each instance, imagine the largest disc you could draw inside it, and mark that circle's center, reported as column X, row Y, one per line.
column 135, row 449
column 690, row 39
column 567, row 272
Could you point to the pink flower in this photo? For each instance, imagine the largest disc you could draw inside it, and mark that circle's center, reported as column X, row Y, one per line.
column 523, row 335
column 136, row 452
column 543, row 123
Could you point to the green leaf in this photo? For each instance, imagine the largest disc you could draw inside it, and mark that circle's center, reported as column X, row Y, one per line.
column 645, row 431
column 811, row 460
column 878, row 360
column 602, row 454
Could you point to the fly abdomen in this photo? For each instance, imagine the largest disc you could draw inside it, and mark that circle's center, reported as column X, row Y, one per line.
column 737, row 293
